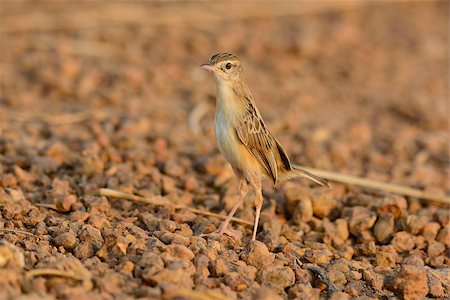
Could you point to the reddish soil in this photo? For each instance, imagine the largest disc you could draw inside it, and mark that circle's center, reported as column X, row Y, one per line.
column 112, row 96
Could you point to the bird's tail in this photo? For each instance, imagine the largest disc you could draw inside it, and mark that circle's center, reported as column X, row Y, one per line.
column 299, row 172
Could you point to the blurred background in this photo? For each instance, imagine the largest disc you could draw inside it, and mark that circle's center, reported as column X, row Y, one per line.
column 356, row 87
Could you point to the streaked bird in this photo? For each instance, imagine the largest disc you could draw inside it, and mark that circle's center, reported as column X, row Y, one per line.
column 243, row 138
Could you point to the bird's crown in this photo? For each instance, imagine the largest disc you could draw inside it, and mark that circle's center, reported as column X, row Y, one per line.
column 223, row 56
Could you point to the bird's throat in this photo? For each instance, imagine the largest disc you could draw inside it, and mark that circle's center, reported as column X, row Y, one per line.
column 226, row 100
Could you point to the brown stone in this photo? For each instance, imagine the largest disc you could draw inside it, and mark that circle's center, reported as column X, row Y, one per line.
column 340, row 296
column 355, row 288
column 83, row 251
column 10, row 255
column 386, row 259
column 359, row 219
column 8, row 180
column 443, row 217
column 173, row 238
column 321, row 256
column 177, row 251
column 68, row 240
column 92, row 235
column 444, row 236
column 430, row 231
column 342, row 229
column 115, row 246
column 435, row 248
column 276, row 276
column 337, row 277
column 57, row 151
column 414, row 260
column 176, row 277
column 149, row 264
column 436, row 261
column 396, row 205
column 323, row 203
column 257, row 255
column 235, row 281
column 303, row 291
column 415, row 223
column 23, row 176
column 403, row 241
column 220, row 267
column 265, row 293
column 411, row 282
column 384, row 227
column 64, row 202
column 303, row 211
column 438, row 282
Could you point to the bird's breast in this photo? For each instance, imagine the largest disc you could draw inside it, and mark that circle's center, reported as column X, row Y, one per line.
column 226, row 136
column 228, row 111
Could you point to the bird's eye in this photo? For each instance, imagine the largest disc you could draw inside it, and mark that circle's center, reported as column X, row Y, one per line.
column 228, row 66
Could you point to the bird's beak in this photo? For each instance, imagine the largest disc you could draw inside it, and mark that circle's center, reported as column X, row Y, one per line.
column 207, row 67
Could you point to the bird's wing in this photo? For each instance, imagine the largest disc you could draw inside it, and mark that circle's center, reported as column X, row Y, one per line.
column 252, row 132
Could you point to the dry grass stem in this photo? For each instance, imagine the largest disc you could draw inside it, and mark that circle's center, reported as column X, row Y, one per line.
column 17, row 231
column 61, row 118
column 52, row 272
column 163, row 202
column 46, row 205
column 381, row 186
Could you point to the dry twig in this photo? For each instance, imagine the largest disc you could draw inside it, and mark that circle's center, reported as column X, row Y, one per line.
column 158, row 200
column 60, row 119
column 377, row 185
column 18, row 231
column 46, row 205
column 52, row 272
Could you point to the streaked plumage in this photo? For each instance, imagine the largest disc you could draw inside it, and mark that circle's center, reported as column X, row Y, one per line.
column 242, row 136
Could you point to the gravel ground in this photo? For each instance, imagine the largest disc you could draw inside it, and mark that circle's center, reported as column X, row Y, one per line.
column 112, row 96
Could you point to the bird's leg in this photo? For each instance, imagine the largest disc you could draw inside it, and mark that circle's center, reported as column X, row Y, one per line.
column 258, row 203
column 243, row 189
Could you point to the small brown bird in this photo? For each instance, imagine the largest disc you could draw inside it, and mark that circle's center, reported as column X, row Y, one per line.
column 244, row 139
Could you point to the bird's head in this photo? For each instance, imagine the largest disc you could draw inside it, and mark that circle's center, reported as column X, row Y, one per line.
column 225, row 66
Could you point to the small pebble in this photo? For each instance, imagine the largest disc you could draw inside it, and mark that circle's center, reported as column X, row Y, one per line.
column 257, row 255
column 403, row 241
column 276, row 276
column 68, row 240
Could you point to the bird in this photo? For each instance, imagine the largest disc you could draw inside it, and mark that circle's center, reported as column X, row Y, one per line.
column 244, row 139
